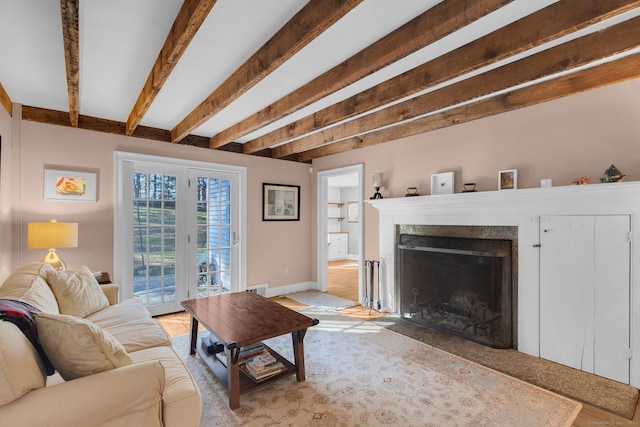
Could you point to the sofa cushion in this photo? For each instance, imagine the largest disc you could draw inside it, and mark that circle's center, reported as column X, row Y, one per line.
column 77, row 291
column 181, row 400
column 139, row 334
column 29, row 284
column 127, row 310
column 77, row 347
column 21, row 369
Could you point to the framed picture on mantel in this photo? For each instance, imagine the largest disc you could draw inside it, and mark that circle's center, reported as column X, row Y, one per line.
column 508, row 179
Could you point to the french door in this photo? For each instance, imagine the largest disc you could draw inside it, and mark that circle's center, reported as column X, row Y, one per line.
column 155, row 234
column 177, row 231
column 213, row 212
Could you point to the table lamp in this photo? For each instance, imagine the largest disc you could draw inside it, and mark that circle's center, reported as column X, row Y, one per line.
column 51, row 235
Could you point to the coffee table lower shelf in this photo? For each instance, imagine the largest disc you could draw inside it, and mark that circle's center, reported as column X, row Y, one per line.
column 246, row 384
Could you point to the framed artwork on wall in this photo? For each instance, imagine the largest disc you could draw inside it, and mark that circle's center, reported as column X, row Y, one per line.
column 70, row 185
column 353, row 212
column 280, row 202
column 508, row 179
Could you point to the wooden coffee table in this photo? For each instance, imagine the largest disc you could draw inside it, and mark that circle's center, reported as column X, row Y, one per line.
column 239, row 319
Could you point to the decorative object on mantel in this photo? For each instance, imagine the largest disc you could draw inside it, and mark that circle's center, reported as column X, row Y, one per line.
column 612, row 175
column 412, row 191
column 546, row 183
column 442, row 183
column 508, row 179
column 469, row 187
column 582, row 180
column 376, row 182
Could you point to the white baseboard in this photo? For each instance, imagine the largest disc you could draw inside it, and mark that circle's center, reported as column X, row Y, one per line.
column 260, row 289
column 287, row 289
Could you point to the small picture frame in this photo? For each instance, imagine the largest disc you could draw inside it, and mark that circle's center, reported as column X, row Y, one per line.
column 70, row 185
column 508, row 179
column 442, row 183
column 280, row 202
column 353, row 212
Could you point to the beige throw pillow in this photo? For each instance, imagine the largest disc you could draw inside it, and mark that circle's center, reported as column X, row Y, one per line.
column 77, row 347
column 77, row 291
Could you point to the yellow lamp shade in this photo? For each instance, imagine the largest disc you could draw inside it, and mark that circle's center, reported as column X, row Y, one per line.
column 51, row 235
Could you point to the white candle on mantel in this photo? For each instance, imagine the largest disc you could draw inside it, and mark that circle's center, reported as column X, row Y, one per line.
column 376, row 180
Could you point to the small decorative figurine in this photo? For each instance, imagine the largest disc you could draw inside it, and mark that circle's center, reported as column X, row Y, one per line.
column 469, row 187
column 412, row 191
column 612, row 175
column 582, row 180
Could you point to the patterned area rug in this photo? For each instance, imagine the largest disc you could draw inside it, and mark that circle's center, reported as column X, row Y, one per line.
column 320, row 300
column 360, row 374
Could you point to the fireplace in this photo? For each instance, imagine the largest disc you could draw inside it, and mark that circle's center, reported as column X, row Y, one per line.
column 458, row 285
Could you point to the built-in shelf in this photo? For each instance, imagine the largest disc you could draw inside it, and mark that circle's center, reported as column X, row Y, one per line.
column 338, row 204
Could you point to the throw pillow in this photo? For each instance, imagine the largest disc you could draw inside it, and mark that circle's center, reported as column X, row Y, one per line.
column 78, row 347
column 77, row 291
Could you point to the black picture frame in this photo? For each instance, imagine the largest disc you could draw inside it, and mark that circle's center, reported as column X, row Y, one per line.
column 280, row 202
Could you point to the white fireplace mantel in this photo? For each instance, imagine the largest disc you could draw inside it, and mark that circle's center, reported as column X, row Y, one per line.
column 522, row 209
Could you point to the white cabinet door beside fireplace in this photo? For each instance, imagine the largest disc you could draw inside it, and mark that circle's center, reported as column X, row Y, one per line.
column 584, row 293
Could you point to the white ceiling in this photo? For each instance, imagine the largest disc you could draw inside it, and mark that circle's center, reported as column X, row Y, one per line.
column 120, row 40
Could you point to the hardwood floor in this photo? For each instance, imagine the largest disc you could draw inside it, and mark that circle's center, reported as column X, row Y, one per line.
column 343, row 279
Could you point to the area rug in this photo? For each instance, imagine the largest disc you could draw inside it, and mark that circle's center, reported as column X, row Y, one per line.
column 320, row 300
column 360, row 374
column 611, row 396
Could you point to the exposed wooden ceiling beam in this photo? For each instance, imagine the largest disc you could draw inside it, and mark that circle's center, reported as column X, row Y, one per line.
column 314, row 18
column 591, row 78
column 190, row 17
column 5, row 100
column 61, row 118
column 533, row 30
column 439, row 21
column 71, row 39
column 575, row 53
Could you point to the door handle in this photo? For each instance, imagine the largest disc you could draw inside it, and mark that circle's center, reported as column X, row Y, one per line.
column 234, row 238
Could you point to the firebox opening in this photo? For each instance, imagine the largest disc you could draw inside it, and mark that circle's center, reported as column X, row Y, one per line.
column 462, row 286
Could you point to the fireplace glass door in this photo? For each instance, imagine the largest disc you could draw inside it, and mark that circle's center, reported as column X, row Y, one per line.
column 459, row 286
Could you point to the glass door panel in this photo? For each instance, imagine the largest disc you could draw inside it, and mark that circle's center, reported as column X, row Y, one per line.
column 154, row 239
column 213, row 236
column 214, row 231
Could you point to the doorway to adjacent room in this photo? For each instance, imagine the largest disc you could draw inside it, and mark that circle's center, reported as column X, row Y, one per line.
column 340, row 232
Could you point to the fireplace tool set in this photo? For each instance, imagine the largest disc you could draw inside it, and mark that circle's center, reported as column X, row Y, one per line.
column 372, row 275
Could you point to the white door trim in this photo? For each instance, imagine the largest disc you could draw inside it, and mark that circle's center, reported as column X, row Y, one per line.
column 322, row 203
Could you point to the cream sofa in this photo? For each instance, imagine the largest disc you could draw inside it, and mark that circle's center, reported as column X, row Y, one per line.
column 118, row 362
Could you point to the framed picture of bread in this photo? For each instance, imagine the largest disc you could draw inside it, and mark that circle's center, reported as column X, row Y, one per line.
column 70, row 185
